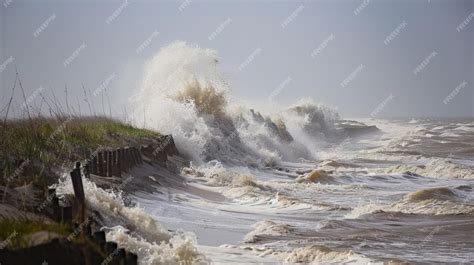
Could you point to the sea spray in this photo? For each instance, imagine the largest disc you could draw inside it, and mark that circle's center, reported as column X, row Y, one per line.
column 153, row 243
column 185, row 94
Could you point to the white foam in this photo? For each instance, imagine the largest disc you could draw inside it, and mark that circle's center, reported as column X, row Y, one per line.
column 315, row 254
column 437, row 168
column 184, row 93
column 266, row 228
column 150, row 239
column 180, row 249
column 433, row 201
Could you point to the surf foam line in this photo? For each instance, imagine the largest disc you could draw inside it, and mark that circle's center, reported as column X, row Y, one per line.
column 135, row 230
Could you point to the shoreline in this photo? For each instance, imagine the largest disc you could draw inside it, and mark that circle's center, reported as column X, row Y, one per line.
column 40, row 210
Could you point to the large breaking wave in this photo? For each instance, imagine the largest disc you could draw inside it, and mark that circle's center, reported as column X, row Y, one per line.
column 184, row 93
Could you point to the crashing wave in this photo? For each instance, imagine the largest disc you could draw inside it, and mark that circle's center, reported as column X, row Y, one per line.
column 181, row 248
column 150, row 239
column 184, row 93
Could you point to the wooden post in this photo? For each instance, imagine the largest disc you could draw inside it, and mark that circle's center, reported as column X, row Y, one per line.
column 99, row 238
column 87, row 168
column 109, row 164
column 66, row 214
column 120, row 255
column 56, row 209
column 79, row 190
column 110, row 247
column 119, row 162
column 114, row 158
column 131, row 258
column 129, row 158
column 127, row 161
column 124, row 159
column 139, row 155
column 87, row 230
column 135, row 156
column 100, row 156
column 114, row 162
column 94, row 165
column 132, row 156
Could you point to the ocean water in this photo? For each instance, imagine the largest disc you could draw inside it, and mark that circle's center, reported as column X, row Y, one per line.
column 294, row 184
column 407, row 197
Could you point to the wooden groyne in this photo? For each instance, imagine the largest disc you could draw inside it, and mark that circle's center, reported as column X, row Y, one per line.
column 107, row 163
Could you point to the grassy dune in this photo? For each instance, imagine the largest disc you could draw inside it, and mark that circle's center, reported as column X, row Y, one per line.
column 31, row 151
column 31, row 147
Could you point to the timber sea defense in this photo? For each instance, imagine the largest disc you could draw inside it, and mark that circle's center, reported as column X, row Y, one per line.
column 109, row 163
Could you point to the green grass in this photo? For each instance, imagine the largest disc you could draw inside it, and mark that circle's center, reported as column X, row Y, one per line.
column 50, row 142
column 13, row 233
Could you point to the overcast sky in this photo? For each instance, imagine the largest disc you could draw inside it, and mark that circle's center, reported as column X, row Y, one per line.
column 380, row 58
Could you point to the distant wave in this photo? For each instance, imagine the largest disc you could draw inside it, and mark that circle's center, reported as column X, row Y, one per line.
column 432, row 201
column 438, row 168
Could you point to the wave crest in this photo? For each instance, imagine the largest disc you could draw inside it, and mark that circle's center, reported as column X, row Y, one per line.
column 432, row 201
column 184, row 93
